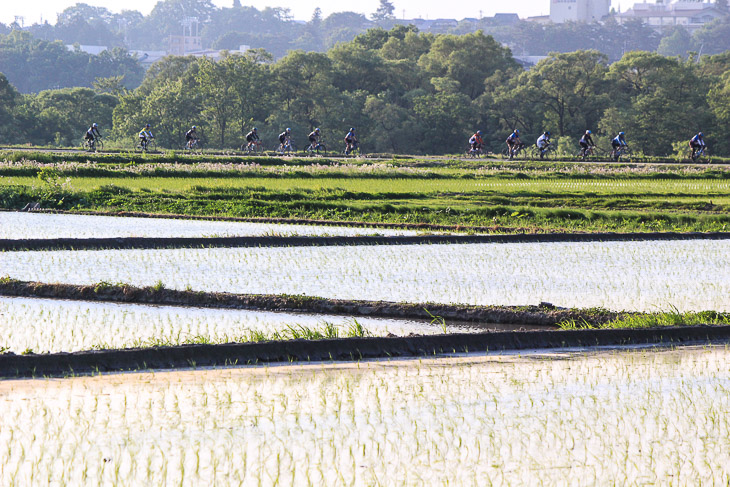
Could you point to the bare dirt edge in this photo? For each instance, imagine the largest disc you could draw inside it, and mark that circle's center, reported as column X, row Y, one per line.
column 544, row 315
column 348, row 349
column 325, row 241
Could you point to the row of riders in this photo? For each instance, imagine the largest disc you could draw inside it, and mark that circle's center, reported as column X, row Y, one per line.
column 618, row 144
column 514, row 144
column 252, row 139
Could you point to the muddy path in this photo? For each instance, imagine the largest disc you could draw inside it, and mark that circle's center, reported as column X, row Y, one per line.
column 325, row 241
column 545, row 315
column 349, row 349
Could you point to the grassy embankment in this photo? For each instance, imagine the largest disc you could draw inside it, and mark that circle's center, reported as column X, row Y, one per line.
column 525, row 195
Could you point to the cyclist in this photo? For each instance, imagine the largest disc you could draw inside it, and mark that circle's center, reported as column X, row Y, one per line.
column 145, row 136
column 191, row 137
column 697, row 144
column 619, row 142
column 351, row 141
column 252, row 138
column 513, row 142
column 585, row 142
column 285, row 138
column 314, row 138
column 476, row 141
column 543, row 142
column 92, row 134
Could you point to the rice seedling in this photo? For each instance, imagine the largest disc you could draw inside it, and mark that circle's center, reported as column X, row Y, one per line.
column 627, row 417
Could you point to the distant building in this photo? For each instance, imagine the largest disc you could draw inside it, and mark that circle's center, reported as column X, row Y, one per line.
column 506, row 19
column 562, row 11
column 181, row 45
column 94, row 50
column 148, row 58
column 528, row 62
column 687, row 13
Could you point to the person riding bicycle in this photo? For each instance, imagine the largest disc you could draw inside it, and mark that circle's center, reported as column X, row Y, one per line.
column 252, row 138
column 476, row 142
column 92, row 134
column 351, row 141
column 314, row 138
column 285, row 138
column 543, row 142
column 191, row 137
column 145, row 135
column 586, row 141
column 513, row 141
column 697, row 143
column 619, row 142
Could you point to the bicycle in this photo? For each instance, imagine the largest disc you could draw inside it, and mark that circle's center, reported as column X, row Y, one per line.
column 94, row 144
column 475, row 153
column 511, row 153
column 620, row 152
column 316, row 148
column 590, row 152
column 352, row 150
column 193, row 145
column 254, row 147
column 696, row 155
column 286, row 148
column 547, row 153
column 145, row 145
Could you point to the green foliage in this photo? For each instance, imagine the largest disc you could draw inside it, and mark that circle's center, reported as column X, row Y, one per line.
column 33, row 64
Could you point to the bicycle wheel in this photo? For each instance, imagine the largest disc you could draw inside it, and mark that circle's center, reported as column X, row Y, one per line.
column 99, row 145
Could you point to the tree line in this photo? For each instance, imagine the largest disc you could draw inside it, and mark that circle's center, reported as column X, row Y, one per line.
column 274, row 30
column 405, row 91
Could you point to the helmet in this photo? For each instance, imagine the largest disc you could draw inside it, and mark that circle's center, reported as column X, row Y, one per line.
column 701, row 134
column 517, row 131
column 316, row 130
column 621, row 134
column 255, row 129
column 93, row 124
column 148, row 126
column 547, row 133
column 194, row 127
column 479, row 132
column 352, row 129
column 588, row 132
column 288, row 129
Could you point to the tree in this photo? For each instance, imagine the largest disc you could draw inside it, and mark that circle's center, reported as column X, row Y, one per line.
column 656, row 94
column 384, row 11
column 677, row 42
column 454, row 57
column 9, row 100
column 219, row 98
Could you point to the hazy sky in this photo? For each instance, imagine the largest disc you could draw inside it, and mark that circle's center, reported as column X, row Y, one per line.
column 33, row 10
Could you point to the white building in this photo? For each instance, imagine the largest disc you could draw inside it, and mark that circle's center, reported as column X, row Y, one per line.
column 578, row 10
column 689, row 14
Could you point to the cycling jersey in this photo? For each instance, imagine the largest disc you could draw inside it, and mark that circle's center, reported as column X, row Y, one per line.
column 513, row 137
column 350, row 136
column 92, row 132
column 190, row 134
column 543, row 141
column 251, row 136
column 697, row 141
column 476, row 140
column 586, row 140
column 146, row 134
column 313, row 137
column 619, row 141
column 283, row 137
